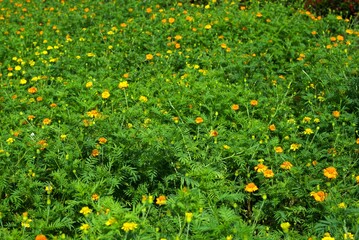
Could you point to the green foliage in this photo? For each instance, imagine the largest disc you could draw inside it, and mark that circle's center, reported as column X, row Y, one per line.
column 167, row 120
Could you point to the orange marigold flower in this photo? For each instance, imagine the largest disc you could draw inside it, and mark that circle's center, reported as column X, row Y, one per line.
column 95, row 153
column 53, row 105
column 251, row 187
column 30, row 117
column 278, row 149
column 213, row 133
column 336, row 114
column 171, row 20
column 46, row 121
column 161, row 200
column 40, row 237
column 272, row 127
column 32, row 90
column 330, row 172
column 102, row 140
column 254, row 103
column 199, row 120
column 95, row 197
column 268, row 173
column 286, row 165
column 235, row 107
column 93, row 113
column 357, row 141
column 319, row 196
column 260, row 167
column 149, row 57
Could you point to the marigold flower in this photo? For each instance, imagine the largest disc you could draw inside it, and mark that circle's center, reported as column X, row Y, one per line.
column 251, row 187
column 105, row 94
column 32, row 90
column 40, row 237
column 111, row 221
column 342, row 205
column 330, row 172
column 95, row 153
column 254, row 103
column 336, row 114
column 199, row 120
column 294, row 146
column 357, row 141
column 143, row 99
column 272, row 127
column 95, row 197
column 208, row 26
column 84, row 227
column 327, row 237
column 226, row 147
column 235, row 107
column 286, row 165
column 268, row 173
column 129, row 226
column 285, row 226
column 149, row 57
column 86, row 211
column 93, row 113
column 318, row 196
column 307, row 119
column 161, row 200
column 46, row 121
column 348, row 235
column 188, row 216
column 260, row 167
column 213, row 133
column 278, row 149
column 89, row 84
column 357, row 179
column 102, row 140
column 123, row 85
column 308, row 131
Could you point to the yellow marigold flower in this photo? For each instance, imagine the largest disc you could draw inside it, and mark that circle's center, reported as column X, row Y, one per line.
column 111, row 221
column 285, row 226
column 226, row 147
column 259, row 15
column 251, row 187
column 123, row 85
column 294, row 146
column 260, row 167
column 348, row 235
column 286, row 165
column 327, row 237
column 308, row 131
column 278, row 149
column 199, row 120
column 149, row 57
column 171, row 20
column 143, row 99
column 84, row 227
column 95, row 197
column 93, row 113
column 336, row 114
column 342, row 205
column 17, row 68
column 208, row 26
column 86, row 211
column 357, row 179
column 95, row 153
column 23, row 81
column 105, row 94
column 330, row 172
column 188, row 216
column 161, row 200
column 318, row 196
column 10, row 140
column 268, row 173
column 306, row 119
column 129, row 226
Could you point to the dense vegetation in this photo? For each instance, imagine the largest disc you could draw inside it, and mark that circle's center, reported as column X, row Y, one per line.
column 170, row 120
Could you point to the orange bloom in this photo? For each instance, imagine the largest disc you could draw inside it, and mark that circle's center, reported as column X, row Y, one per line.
column 330, row 172
column 149, row 56
column 272, row 127
column 336, row 114
column 40, row 237
column 171, row 20
column 30, row 117
column 278, row 149
column 286, row 165
column 46, row 121
column 260, row 167
column 357, row 141
column 95, row 153
column 32, row 90
column 95, row 197
column 268, row 173
column 93, row 113
column 161, row 200
column 235, row 107
column 254, row 103
column 319, row 196
column 251, row 187
column 102, row 140
column 213, row 133
column 199, row 120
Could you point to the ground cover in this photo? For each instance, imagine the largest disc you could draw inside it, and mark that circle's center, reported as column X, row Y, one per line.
column 169, row 120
